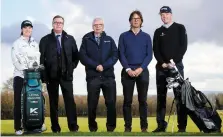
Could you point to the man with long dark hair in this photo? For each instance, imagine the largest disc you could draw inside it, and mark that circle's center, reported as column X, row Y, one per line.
column 135, row 54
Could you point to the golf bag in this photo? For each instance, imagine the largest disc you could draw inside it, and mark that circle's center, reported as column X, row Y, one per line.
column 32, row 100
column 205, row 116
column 199, row 107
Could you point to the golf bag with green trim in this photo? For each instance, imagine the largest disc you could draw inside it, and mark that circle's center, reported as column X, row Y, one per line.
column 32, row 101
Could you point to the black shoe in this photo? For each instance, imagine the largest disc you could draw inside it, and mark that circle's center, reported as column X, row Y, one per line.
column 109, row 129
column 144, row 130
column 161, row 128
column 75, row 129
column 128, row 129
column 181, row 130
column 56, row 131
column 93, row 129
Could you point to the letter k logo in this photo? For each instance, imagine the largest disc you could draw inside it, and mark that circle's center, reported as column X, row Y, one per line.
column 33, row 110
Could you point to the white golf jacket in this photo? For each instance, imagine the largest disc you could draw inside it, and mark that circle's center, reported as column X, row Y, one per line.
column 24, row 53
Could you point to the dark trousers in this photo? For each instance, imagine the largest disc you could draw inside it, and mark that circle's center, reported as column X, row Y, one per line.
column 70, row 106
column 142, row 83
column 108, row 86
column 17, row 86
column 161, row 83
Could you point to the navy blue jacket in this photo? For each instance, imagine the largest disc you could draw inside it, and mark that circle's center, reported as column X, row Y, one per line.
column 135, row 50
column 92, row 55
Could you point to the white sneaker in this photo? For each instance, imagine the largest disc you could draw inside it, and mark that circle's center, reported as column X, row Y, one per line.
column 43, row 128
column 19, row 132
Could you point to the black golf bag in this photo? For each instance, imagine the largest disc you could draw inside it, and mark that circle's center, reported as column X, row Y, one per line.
column 32, row 100
column 199, row 107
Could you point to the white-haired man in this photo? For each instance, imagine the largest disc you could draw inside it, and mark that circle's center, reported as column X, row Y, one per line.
column 98, row 53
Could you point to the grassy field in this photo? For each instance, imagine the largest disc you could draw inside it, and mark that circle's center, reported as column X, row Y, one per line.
column 7, row 128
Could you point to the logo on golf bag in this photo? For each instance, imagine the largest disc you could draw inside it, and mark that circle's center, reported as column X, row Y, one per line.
column 33, row 111
column 34, row 101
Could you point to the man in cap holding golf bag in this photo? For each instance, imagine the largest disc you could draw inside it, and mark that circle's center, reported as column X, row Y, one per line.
column 170, row 42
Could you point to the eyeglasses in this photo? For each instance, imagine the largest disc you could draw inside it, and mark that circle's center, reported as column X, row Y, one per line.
column 58, row 23
column 99, row 25
column 136, row 18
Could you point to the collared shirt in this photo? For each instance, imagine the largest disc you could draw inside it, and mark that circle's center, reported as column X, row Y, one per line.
column 136, row 32
column 59, row 38
column 97, row 38
column 167, row 25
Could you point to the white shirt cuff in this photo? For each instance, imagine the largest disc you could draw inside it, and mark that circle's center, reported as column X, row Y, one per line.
column 128, row 69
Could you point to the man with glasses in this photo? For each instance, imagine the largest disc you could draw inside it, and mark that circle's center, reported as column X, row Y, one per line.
column 59, row 55
column 135, row 54
column 99, row 54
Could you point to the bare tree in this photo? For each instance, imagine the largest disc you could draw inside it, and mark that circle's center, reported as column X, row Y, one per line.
column 8, row 85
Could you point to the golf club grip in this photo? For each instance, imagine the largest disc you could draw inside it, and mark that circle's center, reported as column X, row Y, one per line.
column 171, row 61
column 175, row 67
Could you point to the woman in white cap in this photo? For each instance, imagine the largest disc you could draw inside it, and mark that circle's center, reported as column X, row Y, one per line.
column 25, row 51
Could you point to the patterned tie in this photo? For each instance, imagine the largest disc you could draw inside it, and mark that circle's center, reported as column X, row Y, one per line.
column 58, row 44
column 97, row 40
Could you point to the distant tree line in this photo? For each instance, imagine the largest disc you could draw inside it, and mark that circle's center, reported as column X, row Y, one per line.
column 7, row 101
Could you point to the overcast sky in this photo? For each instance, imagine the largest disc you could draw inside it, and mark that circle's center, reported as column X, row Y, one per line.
column 202, row 19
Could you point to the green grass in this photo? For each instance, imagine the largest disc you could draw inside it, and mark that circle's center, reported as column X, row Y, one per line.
column 7, row 128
